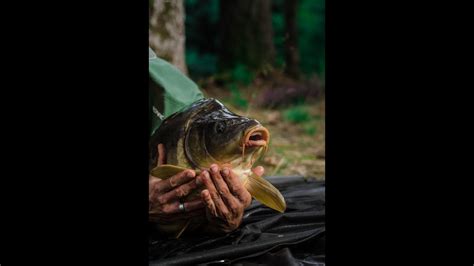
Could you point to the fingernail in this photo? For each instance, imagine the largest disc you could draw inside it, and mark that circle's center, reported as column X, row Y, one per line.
column 206, row 174
column 225, row 172
column 190, row 174
column 214, row 168
column 198, row 181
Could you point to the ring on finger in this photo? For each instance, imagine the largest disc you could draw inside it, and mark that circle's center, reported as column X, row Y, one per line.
column 181, row 207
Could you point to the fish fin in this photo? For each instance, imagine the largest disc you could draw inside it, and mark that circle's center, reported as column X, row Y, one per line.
column 265, row 192
column 165, row 171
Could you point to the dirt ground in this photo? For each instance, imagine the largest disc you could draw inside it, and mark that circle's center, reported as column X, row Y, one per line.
column 296, row 148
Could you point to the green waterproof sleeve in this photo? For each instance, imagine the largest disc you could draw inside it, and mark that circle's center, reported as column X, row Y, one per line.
column 179, row 90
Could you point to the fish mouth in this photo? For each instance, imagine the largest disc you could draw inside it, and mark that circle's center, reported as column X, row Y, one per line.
column 256, row 136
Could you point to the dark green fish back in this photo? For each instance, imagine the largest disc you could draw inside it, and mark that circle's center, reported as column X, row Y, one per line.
column 173, row 128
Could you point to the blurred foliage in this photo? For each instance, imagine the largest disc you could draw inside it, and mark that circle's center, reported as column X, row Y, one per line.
column 201, row 22
column 201, row 64
column 312, row 38
column 236, row 97
column 297, row 114
column 242, row 75
column 202, row 37
column 310, row 129
column 278, row 23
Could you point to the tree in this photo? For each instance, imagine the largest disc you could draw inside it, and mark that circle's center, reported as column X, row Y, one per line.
column 246, row 34
column 292, row 58
column 167, row 32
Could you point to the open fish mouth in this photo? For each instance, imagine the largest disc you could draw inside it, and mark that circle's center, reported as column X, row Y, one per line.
column 256, row 136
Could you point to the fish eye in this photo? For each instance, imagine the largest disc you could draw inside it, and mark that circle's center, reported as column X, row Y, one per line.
column 219, row 127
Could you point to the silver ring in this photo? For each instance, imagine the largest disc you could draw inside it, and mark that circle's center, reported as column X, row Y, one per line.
column 181, row 207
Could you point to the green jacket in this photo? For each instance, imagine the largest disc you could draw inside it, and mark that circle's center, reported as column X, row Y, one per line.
column 169, row 90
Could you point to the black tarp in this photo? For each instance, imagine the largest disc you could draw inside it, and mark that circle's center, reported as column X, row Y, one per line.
column 266, row 237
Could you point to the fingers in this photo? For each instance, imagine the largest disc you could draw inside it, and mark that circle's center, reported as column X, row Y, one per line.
column 153, row 185
column 236, row 187
column 206, row 197
column 225, row 197
column 173, row 208
column 224, row 190
column 177, row 193
column 174, row 181
column 194, row 205
column 218, row 203
column 161, row 154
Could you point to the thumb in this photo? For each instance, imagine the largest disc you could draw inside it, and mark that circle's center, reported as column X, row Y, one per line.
column 161, row 154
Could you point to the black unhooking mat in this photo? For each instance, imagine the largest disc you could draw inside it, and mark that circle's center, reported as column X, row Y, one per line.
column 266, row 237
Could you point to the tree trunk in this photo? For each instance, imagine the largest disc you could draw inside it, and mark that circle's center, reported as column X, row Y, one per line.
column 246, row 34
column 167, row 32
column 292, row 58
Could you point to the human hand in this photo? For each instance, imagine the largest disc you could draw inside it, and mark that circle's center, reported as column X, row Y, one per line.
column 164, row 195
column 225, row 197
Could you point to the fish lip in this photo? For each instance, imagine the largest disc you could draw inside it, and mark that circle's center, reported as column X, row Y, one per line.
column 261, row 133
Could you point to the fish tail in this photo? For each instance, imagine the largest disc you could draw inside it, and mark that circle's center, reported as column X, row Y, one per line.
column 264, row 192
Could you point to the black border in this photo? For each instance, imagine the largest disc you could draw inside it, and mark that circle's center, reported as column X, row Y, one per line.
column 75, row 132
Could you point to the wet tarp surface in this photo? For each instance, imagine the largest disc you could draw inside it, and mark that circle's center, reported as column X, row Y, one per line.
column 266, row 237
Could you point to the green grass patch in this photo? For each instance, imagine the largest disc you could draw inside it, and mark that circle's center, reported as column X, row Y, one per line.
column 297, row 114
column 310, row 129
column 236, row 97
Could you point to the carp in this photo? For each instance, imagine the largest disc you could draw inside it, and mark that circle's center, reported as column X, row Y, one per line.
column 208, row 133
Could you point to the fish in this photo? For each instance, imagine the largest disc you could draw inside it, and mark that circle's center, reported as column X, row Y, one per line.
column 208, row 133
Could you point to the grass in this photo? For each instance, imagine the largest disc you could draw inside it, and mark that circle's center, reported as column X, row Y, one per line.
column 297, row 114
column 298, row 139
column 310, row 129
